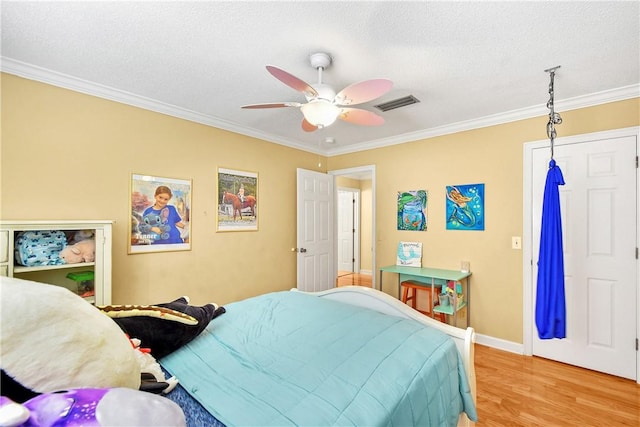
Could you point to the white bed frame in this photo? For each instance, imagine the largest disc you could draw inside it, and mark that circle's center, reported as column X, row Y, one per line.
column 384, row 303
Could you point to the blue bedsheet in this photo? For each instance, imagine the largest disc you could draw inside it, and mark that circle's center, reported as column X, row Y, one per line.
column 288, row 358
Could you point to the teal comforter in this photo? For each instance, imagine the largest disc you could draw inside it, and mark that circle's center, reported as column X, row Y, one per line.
column 289, row 358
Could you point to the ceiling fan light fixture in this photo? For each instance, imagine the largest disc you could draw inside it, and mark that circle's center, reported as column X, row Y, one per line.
column 320, row 112
column 323, row 105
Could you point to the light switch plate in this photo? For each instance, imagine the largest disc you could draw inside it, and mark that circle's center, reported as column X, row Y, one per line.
column 516, row 242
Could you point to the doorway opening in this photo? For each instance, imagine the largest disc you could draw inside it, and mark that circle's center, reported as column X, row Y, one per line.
column 361, row 271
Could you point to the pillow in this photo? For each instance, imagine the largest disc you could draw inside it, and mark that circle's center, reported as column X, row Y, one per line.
column 165, row 327
column 51, row 339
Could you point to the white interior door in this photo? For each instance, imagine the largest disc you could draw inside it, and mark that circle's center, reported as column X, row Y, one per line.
column 348, row 230
column 315, row 233
column 599, row 222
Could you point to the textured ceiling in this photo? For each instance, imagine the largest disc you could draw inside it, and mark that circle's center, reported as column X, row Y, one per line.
column 470, row 64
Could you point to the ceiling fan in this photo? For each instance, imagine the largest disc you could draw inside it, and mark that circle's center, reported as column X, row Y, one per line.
column 323, row 105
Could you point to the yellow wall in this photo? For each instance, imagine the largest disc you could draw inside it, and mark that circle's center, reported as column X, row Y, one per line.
column 66, row 155
column 493, row 156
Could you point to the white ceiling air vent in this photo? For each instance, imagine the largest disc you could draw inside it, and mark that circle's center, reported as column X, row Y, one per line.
column 397, row 103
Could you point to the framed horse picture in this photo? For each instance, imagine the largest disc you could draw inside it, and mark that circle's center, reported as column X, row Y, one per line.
column 237, row 200
column 160, row 214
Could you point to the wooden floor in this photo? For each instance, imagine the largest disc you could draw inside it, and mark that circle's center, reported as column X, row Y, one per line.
column 346, row 278
column 516, row 390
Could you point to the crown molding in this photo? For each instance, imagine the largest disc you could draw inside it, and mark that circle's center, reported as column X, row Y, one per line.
column 43, row 75
column 66, row 81
column 618, row 94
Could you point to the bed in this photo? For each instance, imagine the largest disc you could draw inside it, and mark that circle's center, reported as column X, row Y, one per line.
column 346, row 356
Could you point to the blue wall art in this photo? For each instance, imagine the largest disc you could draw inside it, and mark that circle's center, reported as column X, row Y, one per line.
column 465, row 207
column 412, row 210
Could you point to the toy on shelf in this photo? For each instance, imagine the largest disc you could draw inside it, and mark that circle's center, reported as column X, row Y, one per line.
column 39, row 247
column 84, row 283
column 83, row 251
column 451, row 295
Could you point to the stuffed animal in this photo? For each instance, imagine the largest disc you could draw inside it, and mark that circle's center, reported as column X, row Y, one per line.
column 51, row 339
column 94, row 407
column 161, row 328
column 164, row 327
column 152, row 376
column 82, row 251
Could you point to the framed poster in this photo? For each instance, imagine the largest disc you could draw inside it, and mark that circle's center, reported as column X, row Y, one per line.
column 160, row 214
column 465, row 207
column 237, row 200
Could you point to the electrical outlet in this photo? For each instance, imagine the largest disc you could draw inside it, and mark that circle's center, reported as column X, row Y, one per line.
column 516, row 242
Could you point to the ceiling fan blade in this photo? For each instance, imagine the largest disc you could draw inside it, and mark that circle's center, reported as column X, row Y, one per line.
column 273, row 105
column 292, row 81
column 358, row 116
column 360, row 92
column 308, row 127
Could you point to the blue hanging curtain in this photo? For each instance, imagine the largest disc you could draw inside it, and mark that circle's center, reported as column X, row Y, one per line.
column 550, row 299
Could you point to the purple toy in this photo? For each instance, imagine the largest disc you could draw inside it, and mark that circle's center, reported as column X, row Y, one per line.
column 92, row 407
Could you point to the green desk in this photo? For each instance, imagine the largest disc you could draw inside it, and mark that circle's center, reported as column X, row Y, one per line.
column 431, row 277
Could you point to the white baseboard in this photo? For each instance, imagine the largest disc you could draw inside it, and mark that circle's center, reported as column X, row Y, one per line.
column 368, row 272
column 500, row 344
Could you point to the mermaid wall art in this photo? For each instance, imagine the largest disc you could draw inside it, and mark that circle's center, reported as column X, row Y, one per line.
column 465, row 207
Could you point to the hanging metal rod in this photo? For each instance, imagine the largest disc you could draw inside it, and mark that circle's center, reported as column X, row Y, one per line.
column 554, row 118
